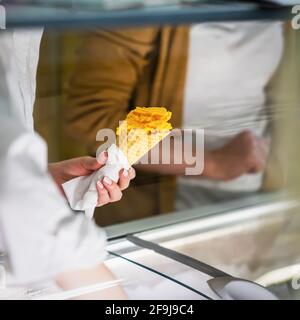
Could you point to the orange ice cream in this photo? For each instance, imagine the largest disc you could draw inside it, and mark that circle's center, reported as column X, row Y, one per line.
column 142, row 130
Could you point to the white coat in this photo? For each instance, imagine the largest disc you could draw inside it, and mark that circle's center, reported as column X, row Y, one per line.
column 39, row 233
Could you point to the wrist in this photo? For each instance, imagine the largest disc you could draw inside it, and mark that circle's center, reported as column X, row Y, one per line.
column 53, row 169
column 210, row 165
column 55, row 173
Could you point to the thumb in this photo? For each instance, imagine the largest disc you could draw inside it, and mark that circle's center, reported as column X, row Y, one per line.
column 92, row 164
column 102, row 158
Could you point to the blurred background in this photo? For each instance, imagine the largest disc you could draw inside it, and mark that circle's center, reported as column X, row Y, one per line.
column 236, row 77
column 232, row 79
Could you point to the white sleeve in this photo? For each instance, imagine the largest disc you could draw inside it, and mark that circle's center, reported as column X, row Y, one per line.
column 40, row 234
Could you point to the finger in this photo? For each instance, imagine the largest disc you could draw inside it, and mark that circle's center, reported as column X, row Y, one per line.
column 124, row 180
column 102, row 158
column 255, row 169
column 258, row 156
column 257, row 164
column 125, row 177
column 103, row 196
column 113, row 189
column 132, row 174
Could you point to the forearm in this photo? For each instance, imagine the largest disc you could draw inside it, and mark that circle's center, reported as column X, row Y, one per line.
column 53, row 169
column 180, row 169
column 57, row 175
column 89, row 277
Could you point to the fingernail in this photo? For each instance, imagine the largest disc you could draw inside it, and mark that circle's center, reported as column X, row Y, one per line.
column 100, row 185
column 125, row 173
column 107, row 180
column 102, row 157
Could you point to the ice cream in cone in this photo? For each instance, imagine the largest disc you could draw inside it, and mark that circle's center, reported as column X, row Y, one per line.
column 142, row 130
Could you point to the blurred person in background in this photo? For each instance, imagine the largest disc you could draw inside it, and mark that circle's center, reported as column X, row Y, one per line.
column 41, row 237
column 220, row 77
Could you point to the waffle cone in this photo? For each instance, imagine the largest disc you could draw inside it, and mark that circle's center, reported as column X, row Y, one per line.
column 142, row 130
column 138, row 142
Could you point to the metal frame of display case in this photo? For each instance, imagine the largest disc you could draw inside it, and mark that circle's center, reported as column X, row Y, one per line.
column 87, row 16
column 119, row 231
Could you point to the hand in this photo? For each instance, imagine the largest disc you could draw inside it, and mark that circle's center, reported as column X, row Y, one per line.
column 108, row 190
column 246, row 153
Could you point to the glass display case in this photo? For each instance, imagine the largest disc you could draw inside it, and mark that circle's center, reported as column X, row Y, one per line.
column 229, row 73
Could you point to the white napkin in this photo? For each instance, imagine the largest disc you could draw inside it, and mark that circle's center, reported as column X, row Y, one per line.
column 82, row 192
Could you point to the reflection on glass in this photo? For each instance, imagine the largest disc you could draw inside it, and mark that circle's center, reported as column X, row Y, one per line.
column 192, row 280
column 259, row 243
column 132, row 281
column 220, row 77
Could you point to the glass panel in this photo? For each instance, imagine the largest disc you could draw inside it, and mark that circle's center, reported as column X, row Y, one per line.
column 192, row 280
column 232, row 88
column 231, row 111
column 258, row 243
